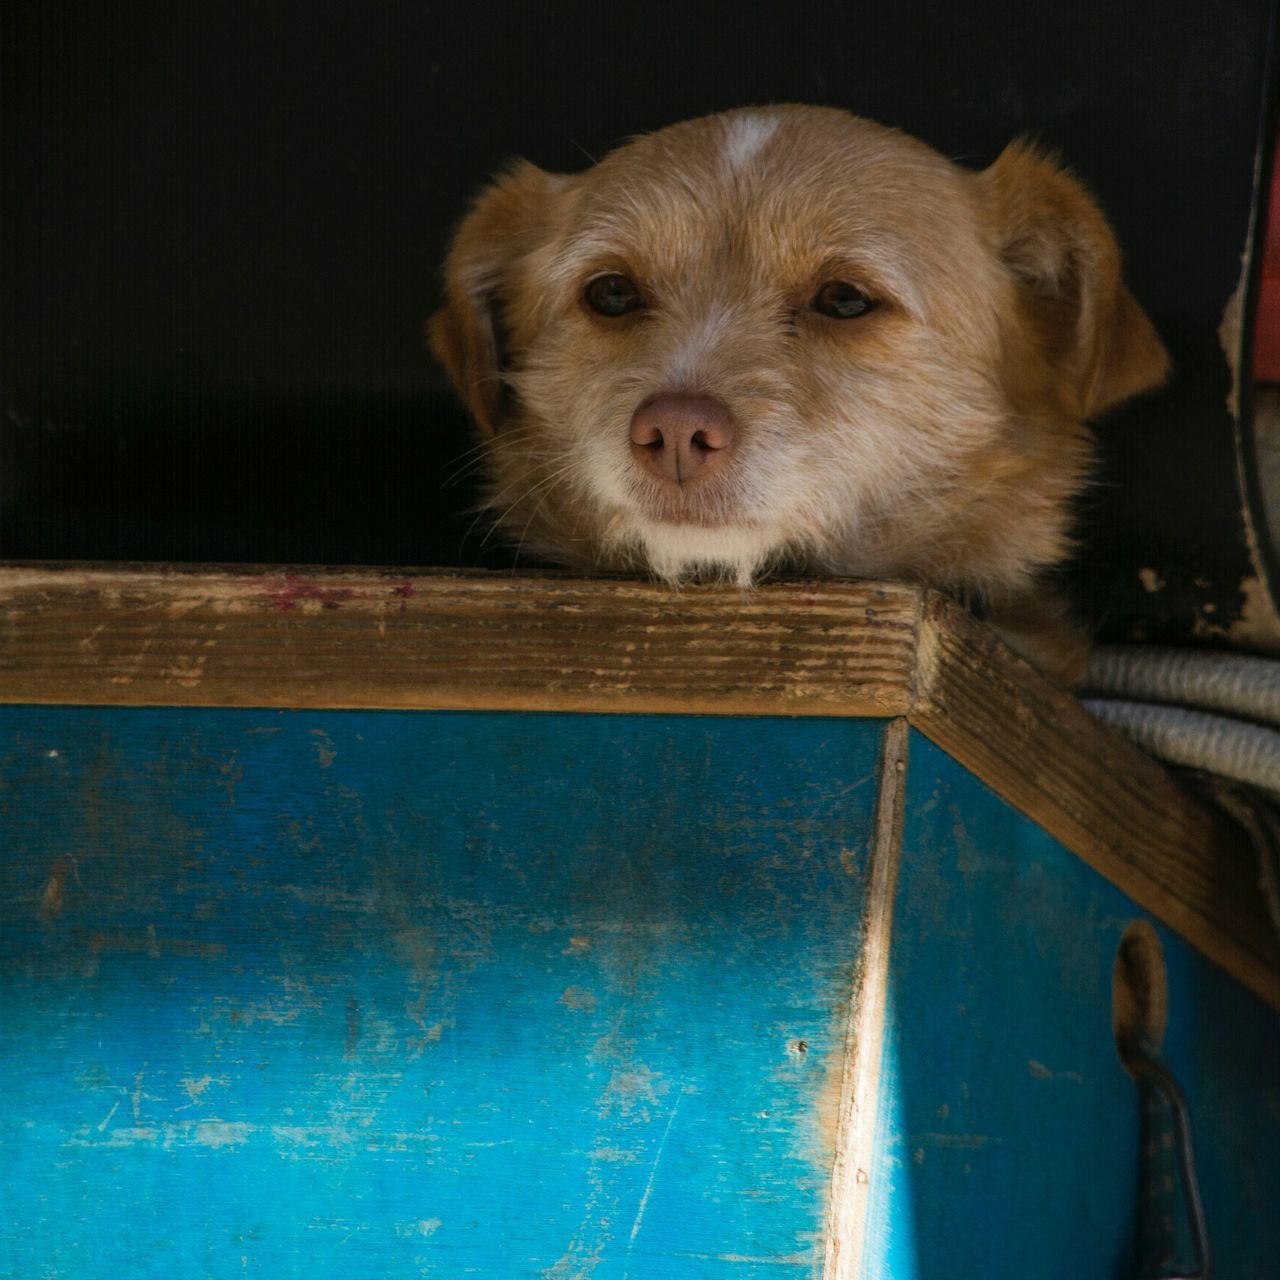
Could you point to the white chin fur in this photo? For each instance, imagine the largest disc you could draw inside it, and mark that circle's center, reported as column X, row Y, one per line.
column 677, row 551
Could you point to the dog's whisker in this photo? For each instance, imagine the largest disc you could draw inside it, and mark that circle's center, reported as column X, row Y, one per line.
column 524, row 496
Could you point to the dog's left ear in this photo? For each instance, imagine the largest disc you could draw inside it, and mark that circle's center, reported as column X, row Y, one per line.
column 467, row 333
column 1051, row 235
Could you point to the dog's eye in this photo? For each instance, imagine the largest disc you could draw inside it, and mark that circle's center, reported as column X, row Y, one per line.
column 841, row 301
column 612, row 296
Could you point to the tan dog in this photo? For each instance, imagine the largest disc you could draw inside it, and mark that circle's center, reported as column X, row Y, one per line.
column 789, row 338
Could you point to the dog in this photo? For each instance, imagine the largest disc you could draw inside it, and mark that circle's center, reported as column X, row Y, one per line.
column 790, row 339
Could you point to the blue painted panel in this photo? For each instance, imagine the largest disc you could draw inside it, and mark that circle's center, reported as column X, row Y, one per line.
column 380, row 994
column 1008, row 1126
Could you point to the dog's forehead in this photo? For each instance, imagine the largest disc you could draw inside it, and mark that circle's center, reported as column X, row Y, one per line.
column 791, row 180
column 776, row 137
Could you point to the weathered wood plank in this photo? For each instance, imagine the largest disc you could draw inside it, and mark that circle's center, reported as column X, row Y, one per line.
column 304, row 638
column 857, row 1131
column 1111, row 804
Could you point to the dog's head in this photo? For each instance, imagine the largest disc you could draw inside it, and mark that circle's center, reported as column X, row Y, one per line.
column 790, row 335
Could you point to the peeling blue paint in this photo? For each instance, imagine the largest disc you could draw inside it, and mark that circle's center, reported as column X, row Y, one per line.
column 386, row 994
column 373, row 994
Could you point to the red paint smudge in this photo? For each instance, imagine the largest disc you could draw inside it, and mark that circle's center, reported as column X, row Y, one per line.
column 286, row 596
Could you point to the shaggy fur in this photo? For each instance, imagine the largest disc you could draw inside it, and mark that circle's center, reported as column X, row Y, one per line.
column 939, row 438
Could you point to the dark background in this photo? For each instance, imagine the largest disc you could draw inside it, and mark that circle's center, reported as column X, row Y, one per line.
column 221, row 227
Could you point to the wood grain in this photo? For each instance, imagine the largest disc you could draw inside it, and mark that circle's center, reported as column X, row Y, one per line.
column 422, row 639
column 855, row 1165
column 310, row 638
column 1107, row 801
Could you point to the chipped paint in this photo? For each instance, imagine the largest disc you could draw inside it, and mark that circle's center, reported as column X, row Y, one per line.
column 1256, row 627
column 196, row 1089
column 345, row 981
column 308, row 595
column 325, row 753
column 1229, row 332
column 578, row 998
column 422, row 1228
column 53, row 898
column 1040, row 1072
column 222, row 1133
column 345, row 951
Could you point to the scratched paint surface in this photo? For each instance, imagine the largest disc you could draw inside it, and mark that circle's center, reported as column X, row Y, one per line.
column 1008, row 1130
column 381, row 994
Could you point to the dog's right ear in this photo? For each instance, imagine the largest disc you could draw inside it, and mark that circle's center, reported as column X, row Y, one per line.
column 467, row 333
column 1053, row 237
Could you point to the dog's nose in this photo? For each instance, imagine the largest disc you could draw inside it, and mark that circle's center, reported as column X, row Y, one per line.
column 679, row 437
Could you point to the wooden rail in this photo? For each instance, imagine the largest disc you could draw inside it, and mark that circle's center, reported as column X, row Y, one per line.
column 167, row 635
